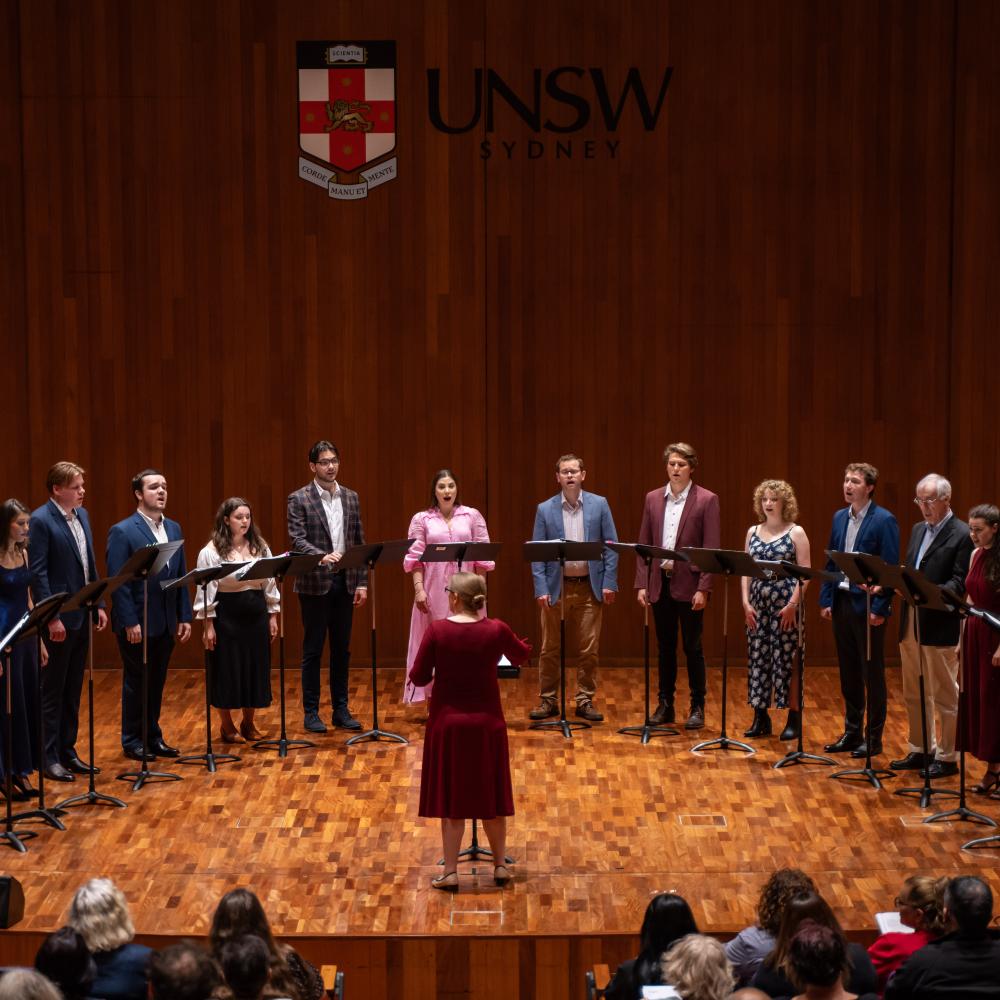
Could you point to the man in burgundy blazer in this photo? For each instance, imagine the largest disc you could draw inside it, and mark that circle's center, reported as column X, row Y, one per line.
column 676, row 516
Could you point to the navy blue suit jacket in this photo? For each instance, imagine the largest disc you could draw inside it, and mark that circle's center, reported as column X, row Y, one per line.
column 166, row 607
column 879, row 536
column 55, row 559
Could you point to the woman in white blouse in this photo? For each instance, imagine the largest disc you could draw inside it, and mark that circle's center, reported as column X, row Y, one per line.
column 241, row 621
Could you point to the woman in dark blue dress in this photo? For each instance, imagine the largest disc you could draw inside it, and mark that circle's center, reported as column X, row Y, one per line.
column 15, row 578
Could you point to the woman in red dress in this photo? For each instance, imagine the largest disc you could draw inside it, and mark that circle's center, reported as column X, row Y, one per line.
column 466, row 765
column 980, row 731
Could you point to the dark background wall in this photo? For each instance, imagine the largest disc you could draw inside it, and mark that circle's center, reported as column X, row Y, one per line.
column 796, row 268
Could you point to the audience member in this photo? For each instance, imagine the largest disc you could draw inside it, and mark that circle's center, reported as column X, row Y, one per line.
column 246, row 966
column 183, row 972
column 668, row 918
column 964, row 963
column 65, row 959
column 748, row 993
column 817, row 961
column 27, row 984
column 697, row 968
column 100, row 914
column 921, row 907
column 753, row 944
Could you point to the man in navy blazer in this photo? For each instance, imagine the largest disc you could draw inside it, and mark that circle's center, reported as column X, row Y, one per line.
column 61, row 553
column 168, row 614
column 862, row 526
column 573, row 515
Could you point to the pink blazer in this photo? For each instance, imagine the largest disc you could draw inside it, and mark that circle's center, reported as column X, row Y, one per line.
column 699, row 529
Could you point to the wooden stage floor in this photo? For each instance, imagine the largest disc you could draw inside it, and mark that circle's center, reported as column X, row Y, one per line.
column 330, row 839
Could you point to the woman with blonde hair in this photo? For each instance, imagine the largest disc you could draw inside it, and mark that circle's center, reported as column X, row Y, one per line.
column 27, row 984
column 697, row 968
column 99, row 913
column 770, row 606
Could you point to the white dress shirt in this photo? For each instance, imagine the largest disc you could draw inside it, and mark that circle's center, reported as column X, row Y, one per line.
column 333, row 507
column 574, row 531
column 673, row 510
column 76, row 528
column 158, row 528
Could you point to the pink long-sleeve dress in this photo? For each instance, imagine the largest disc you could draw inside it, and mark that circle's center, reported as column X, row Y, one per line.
column 428, row 527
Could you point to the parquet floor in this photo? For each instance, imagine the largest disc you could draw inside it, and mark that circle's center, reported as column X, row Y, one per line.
column 330, row 840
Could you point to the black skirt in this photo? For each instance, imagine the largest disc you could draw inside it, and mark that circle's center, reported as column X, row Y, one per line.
column 241, row 661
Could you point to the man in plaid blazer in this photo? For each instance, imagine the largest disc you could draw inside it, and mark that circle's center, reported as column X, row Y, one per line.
column 325, row 517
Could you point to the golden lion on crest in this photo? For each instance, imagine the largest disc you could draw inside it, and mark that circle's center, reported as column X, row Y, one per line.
column 347, row 115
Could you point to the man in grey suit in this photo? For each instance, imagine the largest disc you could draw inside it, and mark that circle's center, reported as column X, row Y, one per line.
column 577, row 516
column 325, row 517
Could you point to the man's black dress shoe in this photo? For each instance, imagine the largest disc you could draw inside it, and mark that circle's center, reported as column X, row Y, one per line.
column 162, row 749
column 940, row 769
column 78, row 766
column 849, row 741
column 135, row 753
column 56, row 772
column 913, row 761
column 343, row 719
column 861, row 750
column 696, row 720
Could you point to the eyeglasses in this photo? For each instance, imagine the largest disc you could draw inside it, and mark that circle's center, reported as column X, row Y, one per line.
column 928, row 503
column 326, row 462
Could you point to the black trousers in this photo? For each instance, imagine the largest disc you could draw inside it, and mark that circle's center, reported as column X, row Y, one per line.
column 850, row 634
column 62, row 682
column 159, row 648
column 668, row 615
column 330, row 614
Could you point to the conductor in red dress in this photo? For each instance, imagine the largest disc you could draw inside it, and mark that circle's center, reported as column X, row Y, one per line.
column 466, row 765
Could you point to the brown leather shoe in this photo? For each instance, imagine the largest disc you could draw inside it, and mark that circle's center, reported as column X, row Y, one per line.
column 544, row 710
column 696, row 720
column 586, row 710
column 664, row 714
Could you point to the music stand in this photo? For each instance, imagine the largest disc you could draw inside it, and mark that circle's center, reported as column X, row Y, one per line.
column 89, row 598
column 279, row 567
column 866, row 575
column 202, row 578
column 647, row 553
column 802, row 574
column 562, row 551
column 31, row 622
column 724, row 563
column 368, row 555
column 919, row 592
column 141, row 565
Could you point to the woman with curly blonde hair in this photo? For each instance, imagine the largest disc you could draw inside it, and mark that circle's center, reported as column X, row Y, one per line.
column 770, row 606
column 697, row 968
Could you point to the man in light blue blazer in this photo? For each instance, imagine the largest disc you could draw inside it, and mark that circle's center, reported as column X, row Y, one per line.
column 61, row 553
column 574, row 515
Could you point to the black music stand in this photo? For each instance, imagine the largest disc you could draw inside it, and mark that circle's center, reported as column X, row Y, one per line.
column 279, row 567
column 31, row 623
column 919, row 592
column 866, row 575
column 724, row 563
column 646, row 554
column 562, row 551
column 141, row 565
column 802, row 574
column 368, row 555
column 202, row 578
column 89, row 598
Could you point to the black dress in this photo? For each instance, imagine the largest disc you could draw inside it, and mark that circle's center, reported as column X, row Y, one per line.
column 23, row 678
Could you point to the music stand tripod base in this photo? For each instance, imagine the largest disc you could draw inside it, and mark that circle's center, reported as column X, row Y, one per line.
column 92, row 797
column 802, row 757
column 210, row 759
column 722, row 743
column 926, row 792
column 867, row 773
column 647, row 730
column 972, row 845
column 282, row 745
column 375, row 735
column 16, row 838
column 562, row 724
column 140, row 777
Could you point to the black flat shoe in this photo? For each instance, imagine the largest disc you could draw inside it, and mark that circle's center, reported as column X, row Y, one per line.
column 861, row 750
column 135, row 753
column 761, row 725
column 56, row 772
column 793, row 726
column 23, row 787
column 78, row 766
column 844, row 744
column 162, row 749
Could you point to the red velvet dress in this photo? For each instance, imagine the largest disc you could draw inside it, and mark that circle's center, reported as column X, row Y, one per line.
column 466, row 766
column 979, row 728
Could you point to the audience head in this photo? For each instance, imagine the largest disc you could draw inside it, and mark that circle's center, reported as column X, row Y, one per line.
column 14, row 521
column 246, row 965
column 696, row 966
column 183, row 972
column 27, row 984
column 469, row 590
column 817, row 956
column 748, row 993
column 441, row 478
column 100, row 913
column 783, row 885
column 65, row 959
column 780, row 490
column 668, row 918
column 921, row 903
column 222, row 536
column 808, row 906
column 968, row 903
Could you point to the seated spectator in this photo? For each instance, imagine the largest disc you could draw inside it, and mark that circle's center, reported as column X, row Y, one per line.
column 921, row 906
column 239, row 912
column 27, row 984
column 697, row 968
column 748, row 993
column 749, row 948
column 183, row 972
column 773, row 975
column 965, row 962
column 668, row 918
column 100, row 914
column 246, row 965
column 64, row 959
column 817, row 961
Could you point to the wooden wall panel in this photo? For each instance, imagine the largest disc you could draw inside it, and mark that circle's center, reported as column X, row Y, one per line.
column 768, row 274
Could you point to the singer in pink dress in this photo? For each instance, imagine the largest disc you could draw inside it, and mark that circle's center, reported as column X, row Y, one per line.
column 446, row 520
